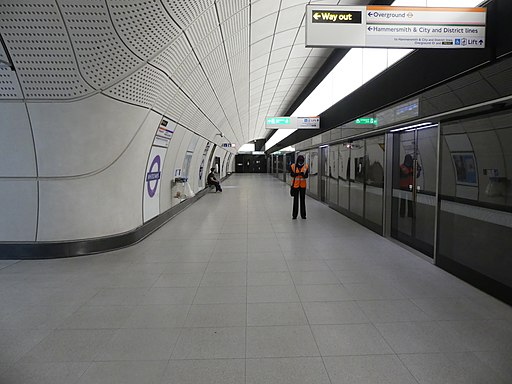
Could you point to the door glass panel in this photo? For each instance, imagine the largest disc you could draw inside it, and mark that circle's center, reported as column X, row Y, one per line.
column 374, row 179
column 357, row 171
column 343, row 175
column 333, row 175
column 313, row 172
column 324, row 175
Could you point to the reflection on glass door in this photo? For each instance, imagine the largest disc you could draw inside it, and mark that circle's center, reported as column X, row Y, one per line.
column 414, row 187
column 324, row 177
column 357, row 174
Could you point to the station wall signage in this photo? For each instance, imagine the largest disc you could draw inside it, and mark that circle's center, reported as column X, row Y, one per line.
column 292, row 122
column 394, row 27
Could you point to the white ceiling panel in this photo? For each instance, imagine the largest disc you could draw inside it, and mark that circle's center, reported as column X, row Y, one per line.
column 264, row 27
column 284, row 39
column 263, row 8
column 290, row 18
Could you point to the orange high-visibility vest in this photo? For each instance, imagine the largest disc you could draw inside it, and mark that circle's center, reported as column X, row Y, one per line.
column 300, row 182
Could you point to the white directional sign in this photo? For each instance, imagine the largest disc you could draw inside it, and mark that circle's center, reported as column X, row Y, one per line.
column 394, row 27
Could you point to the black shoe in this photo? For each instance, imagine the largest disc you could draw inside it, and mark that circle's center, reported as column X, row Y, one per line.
column 304, row 217
column 294, row 218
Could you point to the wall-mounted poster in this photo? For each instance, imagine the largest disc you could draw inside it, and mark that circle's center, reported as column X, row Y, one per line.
column 465, row 168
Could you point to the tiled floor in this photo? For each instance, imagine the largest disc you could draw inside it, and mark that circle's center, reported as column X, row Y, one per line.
column 233, row 291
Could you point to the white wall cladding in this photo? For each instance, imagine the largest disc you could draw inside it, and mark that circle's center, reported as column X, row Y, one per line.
column 83, row 137
column 102, row 204
column 18, row 210
column 142, row 87
column 144, row 25
column 9, row 84
column 17, row 157
column 92, row 78
column 102, row 56
column 38, row 43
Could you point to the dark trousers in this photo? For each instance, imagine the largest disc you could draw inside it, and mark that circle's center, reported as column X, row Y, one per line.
column 300, row 194
column 217, row 186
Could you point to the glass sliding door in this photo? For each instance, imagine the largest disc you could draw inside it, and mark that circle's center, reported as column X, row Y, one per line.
column 324, row 175
column 333, row 175
column 414, row 187
column 344, row 176
column 357, row 176
column 374, row 182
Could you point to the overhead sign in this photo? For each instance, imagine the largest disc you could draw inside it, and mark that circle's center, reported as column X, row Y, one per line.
column 367, row 120
column 278, row 120
column 394, row 27
column 228, row 145
column 292, row 122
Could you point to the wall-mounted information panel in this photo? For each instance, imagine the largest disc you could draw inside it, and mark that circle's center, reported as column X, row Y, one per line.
column 292, row 122
column 394, row 27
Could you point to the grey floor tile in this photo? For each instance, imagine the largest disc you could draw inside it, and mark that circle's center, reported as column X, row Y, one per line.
column 180, row 267
column 499, row 362
column 483, row 335
column 420, row 337
column 36, row 317
column 179, row 280
column 314, row 277
column 269, row 278
column 16, row 343
column 157, row 316
column 43, row 373
column 165, row 296
column 453, row 368
column 69, row 346
column 125, row 372
column 219, row 371
column 280, row 341
column 298, row 370
column 221, row 295
column 210, row 343
column 269, row 265
column 272, row 294
column 275, row 314
column 376, row 369
column 458, row 308
column 350, row 339
column 227, row 266
column 373, row 291
column 343, row 312
column 139, row 344
column 382, row 311
column 118, row 296
column 224, row 279
column 305, row 266
column 327, row 292
column 98, row 317
column 216, row 315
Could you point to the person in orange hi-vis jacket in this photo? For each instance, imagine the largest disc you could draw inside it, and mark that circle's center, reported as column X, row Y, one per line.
column 299, row 172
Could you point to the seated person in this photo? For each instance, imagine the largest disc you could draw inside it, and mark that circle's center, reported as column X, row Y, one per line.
column 211, row 180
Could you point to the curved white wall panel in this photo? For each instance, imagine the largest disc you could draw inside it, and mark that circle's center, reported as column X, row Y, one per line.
column 18, row 210
column 102, row 56
column 9, row 84
column 186, row 11
column 107, row 203
column 17, row 158
column 36, row 38
column 144, row 25
column 141, row 88
column 82, row 137
column 171, row 161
